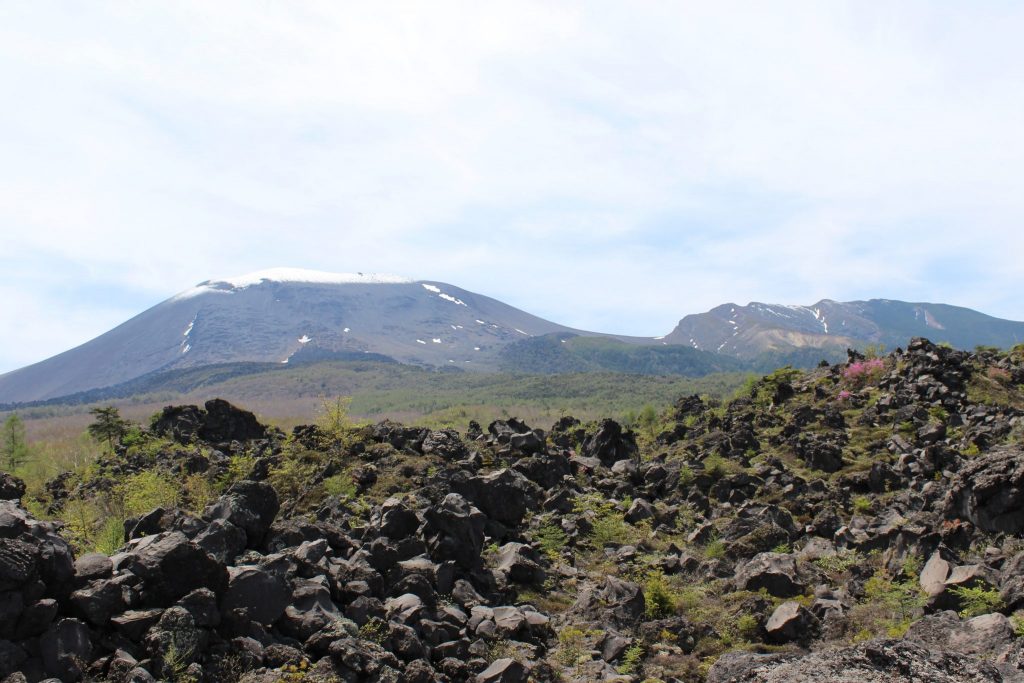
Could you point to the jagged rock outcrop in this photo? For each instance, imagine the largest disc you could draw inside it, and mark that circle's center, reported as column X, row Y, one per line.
column 989, row 493
column 886, row 661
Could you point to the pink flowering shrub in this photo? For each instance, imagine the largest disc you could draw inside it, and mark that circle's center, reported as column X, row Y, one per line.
column 862, row 372
column 844, row 395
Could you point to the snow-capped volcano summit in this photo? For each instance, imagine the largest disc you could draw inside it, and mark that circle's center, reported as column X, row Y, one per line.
column 283, row 315
column 293, row 275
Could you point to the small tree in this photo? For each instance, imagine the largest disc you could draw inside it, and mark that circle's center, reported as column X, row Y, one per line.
column 334, row 421
column 648, row 421
column 13, row 447
column 109, row 426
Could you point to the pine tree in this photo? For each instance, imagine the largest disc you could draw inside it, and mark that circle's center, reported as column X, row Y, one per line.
column 13, row 447
column 109, row 425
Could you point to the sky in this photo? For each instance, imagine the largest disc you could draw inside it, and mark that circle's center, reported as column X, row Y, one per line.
column 609, row 166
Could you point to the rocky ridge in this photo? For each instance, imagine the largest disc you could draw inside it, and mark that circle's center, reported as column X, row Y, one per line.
column 862, row 521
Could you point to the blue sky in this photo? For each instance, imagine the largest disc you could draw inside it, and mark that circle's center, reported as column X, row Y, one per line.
column 608, row 166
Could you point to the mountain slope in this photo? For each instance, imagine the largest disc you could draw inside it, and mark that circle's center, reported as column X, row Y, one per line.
column 288, row 316
column 566, row 353
column 283, row 315
column 750, row 331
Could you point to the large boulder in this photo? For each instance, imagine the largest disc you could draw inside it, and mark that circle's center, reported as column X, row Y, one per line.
column 454, row 530
column 397, row 521
column 505, row 670
column 504, row 496
column 444, row 443
column 989, row 492
column 790, row 622
column 250, row 506
column 880, row 661
column 176, row 640
column 610, row 443
column 988, row 636
column 520, row 564
column 819, row 453
column 181, row 423
column 220, row 422
column 171, row 566
column 616, row 602
column 30, row 550
column 310, row 610
column 225, row 422
column 66, row 649
column 18, row 561
column 545, row 470
column 11, row 487
column 261, row 594
column 774, row 572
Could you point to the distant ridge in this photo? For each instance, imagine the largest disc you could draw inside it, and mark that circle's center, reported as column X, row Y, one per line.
column 750, row 331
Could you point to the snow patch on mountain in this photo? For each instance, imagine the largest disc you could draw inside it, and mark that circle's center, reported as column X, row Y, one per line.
column 226, row 285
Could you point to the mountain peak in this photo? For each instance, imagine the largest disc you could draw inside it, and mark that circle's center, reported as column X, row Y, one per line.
column 300, row 275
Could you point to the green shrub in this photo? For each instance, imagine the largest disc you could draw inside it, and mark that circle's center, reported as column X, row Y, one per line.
column 110, row 536
column 198, row 492
column 716, row 467
column 861, row 504
column 608, row 524
column 552, row 539
column 1017, row 621
column 147, row 490
column 292, row 477
column 715, row 549
column 341, row 485
column 573, row 643
column 686, row 476
column 659, row 599
column 975, row 601
column 239, row 467
column 374, row 630
column 334, row 421
column 748, row 627
column 134, row 437
column 900, row 598
column 839, row 562
column 632, row 659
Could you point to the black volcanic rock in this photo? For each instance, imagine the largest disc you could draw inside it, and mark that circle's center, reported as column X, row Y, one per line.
column 219, row 422
column 11, row 487
column 990, row 493
column 225, row 422
column 610, row 443
column 886, row 661
column 471, row 558
column 248, row 505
